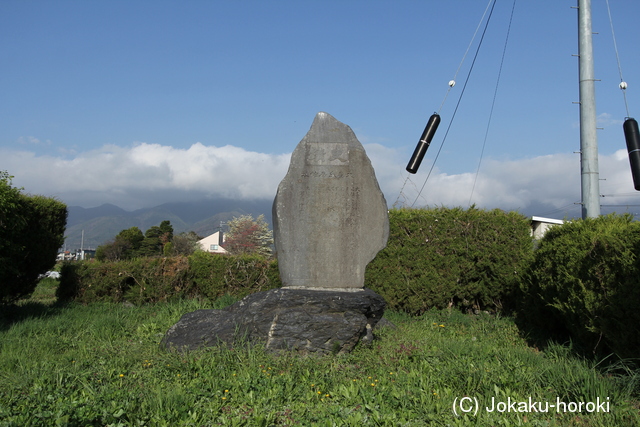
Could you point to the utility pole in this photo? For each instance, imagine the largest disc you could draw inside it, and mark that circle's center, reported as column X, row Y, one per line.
column 588, row 132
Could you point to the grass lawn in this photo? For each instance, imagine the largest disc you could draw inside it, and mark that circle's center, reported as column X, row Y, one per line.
column 100, row 365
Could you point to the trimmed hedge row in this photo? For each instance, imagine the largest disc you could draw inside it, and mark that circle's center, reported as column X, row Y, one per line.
column 31, row 231
column 441, row 257
column 584, row 285
column 435, row 258
column 151, row 280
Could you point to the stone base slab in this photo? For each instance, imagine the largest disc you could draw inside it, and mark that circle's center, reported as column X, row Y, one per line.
column 308, row 321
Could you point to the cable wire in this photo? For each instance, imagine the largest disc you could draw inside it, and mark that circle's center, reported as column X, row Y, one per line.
column 458, row 104
column 493, row 103
column 623, row 85
column 400, row 194
column 465, row 55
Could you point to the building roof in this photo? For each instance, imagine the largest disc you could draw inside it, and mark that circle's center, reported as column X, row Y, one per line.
column 547, row 220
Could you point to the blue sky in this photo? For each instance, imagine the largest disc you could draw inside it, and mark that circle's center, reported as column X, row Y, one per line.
column 138, row 103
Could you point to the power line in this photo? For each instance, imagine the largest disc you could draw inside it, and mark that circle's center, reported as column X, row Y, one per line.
column 458, row 103
column 623, row 84
column 493, row 103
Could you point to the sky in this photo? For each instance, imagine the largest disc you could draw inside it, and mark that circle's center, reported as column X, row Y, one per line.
column 139, row 103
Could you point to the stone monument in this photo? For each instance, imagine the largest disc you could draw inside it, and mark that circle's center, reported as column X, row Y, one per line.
column 330, row 220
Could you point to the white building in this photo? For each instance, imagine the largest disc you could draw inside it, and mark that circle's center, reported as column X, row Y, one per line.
column 540, row 225
column 213, row 243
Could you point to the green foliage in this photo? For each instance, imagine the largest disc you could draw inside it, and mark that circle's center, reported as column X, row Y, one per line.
column 154, row 279
column 126, row 245
column 442, row 257
column 11, row 223
column 131, row 243
column 215, row 275
column 139, row 281
column 583, row 284
column 184, row 243
column 249, row 236
column 31, row 232
column 155, row 238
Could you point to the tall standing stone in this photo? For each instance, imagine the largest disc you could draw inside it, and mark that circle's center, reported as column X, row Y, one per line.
column 330, row 217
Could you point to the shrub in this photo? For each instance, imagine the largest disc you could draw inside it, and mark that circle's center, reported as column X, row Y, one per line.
column 31, row 232
column 583, row 285
column 154, row 279
column 442, row 257
column 139, row 281
column 215, row 275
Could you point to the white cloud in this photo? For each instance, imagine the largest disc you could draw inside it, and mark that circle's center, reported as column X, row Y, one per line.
column 606, row 119
column 148, row 174
column 31, row 140
column 151, row 174
column 534, row 186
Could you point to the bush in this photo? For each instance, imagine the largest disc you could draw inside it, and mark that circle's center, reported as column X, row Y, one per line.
column 583, row 285
column 154, row 279
column 215, row 275
column 441, row 257
column 31, row 232
column 139, row 281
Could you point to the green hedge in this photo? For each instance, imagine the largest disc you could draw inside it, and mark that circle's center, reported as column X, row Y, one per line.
column 239, row 275
column 155, row 279
column 441, row 257
column 584, row 285
column 435, row 258
column 31, row 231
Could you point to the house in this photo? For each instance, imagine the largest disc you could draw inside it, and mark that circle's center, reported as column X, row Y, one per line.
column 213, row 243
column 540, row 225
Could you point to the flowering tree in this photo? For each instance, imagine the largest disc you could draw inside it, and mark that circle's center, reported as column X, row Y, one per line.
column 248, row 236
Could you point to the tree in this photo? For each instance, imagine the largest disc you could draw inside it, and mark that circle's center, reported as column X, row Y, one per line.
column 155, row 238
column 184, row 243
column 131, row 243
column 126, row 245
column 31, row 232
column 249, row 236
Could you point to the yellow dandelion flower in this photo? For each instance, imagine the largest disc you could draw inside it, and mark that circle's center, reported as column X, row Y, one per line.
column 373, row 384
column 226, row 391
column 121, row 375
column 319, row 392
column 224, row 398
column 442, row 326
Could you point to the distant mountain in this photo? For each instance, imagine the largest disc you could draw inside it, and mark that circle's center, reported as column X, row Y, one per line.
column 103, row 223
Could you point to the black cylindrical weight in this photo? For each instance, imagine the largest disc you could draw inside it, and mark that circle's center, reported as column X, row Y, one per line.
column 632, row 136
column 423, row 144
